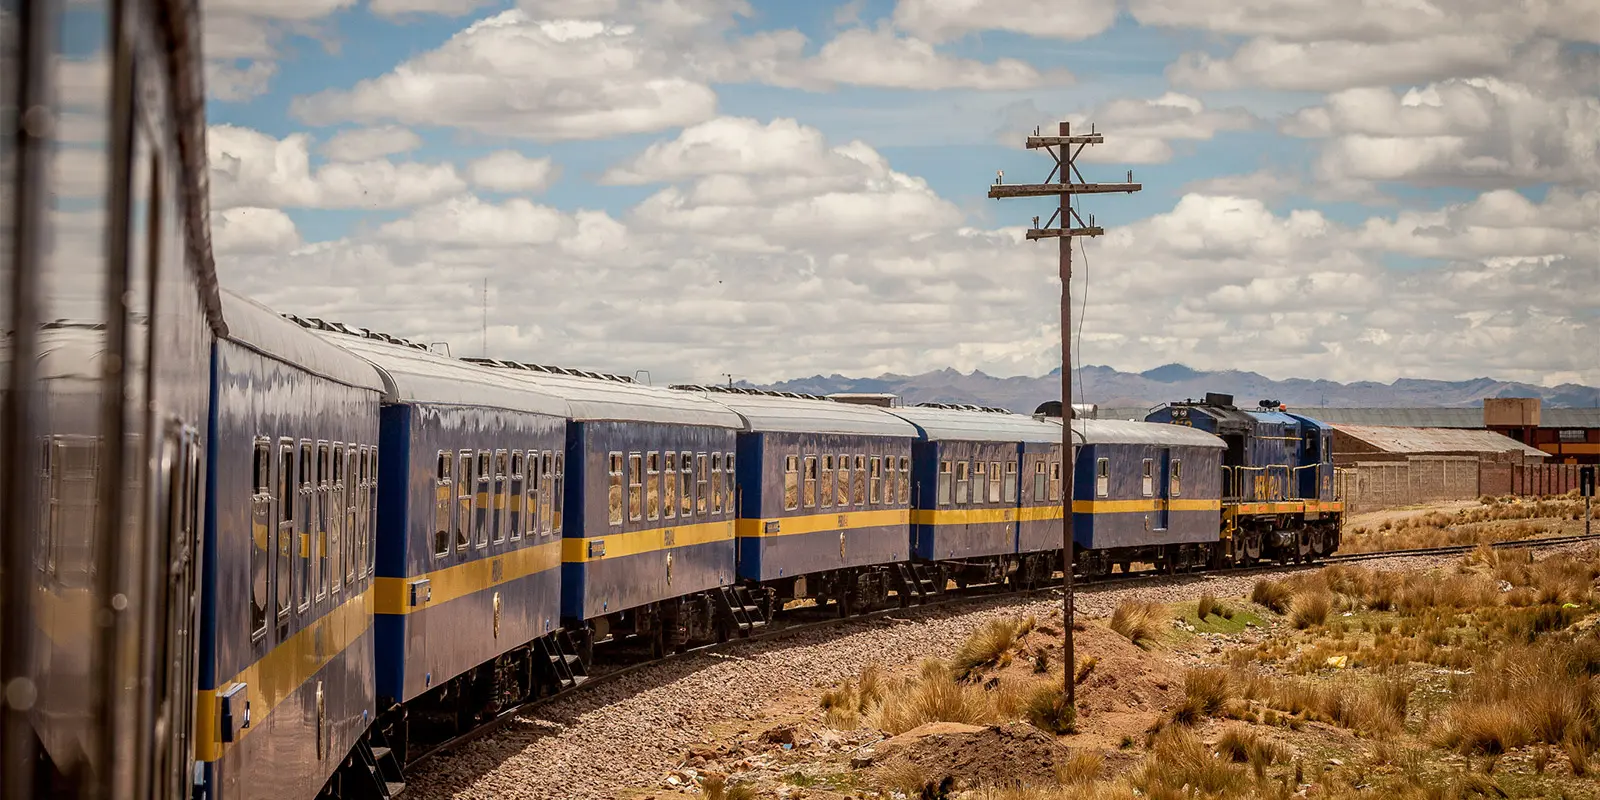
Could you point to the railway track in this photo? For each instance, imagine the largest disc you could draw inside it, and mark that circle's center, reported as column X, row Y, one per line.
column 800, row 623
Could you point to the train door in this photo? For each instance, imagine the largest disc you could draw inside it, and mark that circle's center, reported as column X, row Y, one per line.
column 1308, row 472
column 1232, row 462
column 174, row 592
column 1163, row 489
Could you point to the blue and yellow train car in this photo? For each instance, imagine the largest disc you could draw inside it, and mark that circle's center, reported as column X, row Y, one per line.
column 287, row 647
column 824, row 496
column 469, row 533
column 967, row 510
column 651, row 478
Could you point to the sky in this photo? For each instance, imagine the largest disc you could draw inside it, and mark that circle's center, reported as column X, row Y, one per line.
column 1370, row 190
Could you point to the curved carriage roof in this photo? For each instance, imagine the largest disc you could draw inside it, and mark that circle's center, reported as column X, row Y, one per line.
column 257, row 327
column 603, row 399
column 778, row 413
column 938, row 424
column 1116, row 431
column 418, row 376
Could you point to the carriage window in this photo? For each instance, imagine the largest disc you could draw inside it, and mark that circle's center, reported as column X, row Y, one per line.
column 811, row 482
column 716, row 483
column 979, row 473
column 319, row 537
column 1176, row 480
column 944, row 483
column 635, row 486
column 1010, row 488
column 443, row 492
column 369, row 522
column 1149, row 477
column 905, row 480
column 702, row 480
column 888, row 479
column 1102, row 477
column 826, row 481
column 1055, row 480
column 652, row 486
column 352, row 471
column 303, row 530
column 791, row 483
column 963, row 481
column 463, row 499
column 875, row 489
column 727, row 467
column 283, row 573
column 557, row 476
column 994, row 481
column 482, row 515
column 686, row 484
column 260, row 552
column 859, row 495
column 844, row 481
column 501, row 506
column 614, row 493
column 343, row 547
column 669, row 489
column 1039, row 481
column 519, row 493
column 536, row 498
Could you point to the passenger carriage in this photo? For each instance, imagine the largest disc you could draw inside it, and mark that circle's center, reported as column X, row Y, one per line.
column 470, row 519
column 287, row 647
column 824, row 497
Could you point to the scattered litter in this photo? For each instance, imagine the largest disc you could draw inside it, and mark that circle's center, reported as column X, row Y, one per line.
column 1338, row 662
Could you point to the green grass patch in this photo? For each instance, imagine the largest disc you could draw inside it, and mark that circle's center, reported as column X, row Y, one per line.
column 1217, row 623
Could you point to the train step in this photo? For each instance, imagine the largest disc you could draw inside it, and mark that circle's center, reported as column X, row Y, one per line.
column 381, row 767
column 566, row 666
column 914, row 583
column 740, row 609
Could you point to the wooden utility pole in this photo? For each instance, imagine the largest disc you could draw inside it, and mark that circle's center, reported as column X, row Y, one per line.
column 1070, row 182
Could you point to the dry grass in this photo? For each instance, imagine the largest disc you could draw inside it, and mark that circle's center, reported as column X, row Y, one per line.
column 1272, row 594
column 1497, row 520
column 1047, row 709
column 1310, row 608
column 716, row 787
column 1083, row 767
column 1139, row 620
column 1207, row 604
column 990, row 645
column 1483, row 729
column 934, row 695
column 1205, row 694
column 1181, row 765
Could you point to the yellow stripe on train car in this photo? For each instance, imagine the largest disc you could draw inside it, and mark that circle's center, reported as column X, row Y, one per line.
column 460, row 580
column 615, row 545
column 971, row 516
column 750, row 528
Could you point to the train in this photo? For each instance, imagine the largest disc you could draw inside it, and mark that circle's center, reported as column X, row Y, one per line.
column 256, row 554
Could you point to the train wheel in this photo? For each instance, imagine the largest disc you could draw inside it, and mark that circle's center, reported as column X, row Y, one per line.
column 1302, row 542
column 1252, row 547
column 1319, row 542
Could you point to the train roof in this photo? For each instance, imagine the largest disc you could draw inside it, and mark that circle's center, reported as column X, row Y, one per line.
column 1117, row 431
column 1275, row 416
column 787, row 412
column 412, row 375
column 258, row 328
column 610, row 398
column 937, row 424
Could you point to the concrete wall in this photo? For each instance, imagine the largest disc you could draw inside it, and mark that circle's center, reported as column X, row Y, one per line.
column 1374, row 485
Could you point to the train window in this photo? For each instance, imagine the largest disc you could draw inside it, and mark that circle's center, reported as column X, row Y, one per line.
column 501, row 499
column 827, row 481
column 557, row 478
column 1102, row 477
column 1148, row 478
column 791, row 483
column 875, row 490
column 369, row 513
column 1039, row 481
column 260, row 546
column 443, row 489
column 536, row 498
column 994, row 481
column 481, row 517
column 944, row 483
column 889, row 479
column 844, row 481
column 810, row 482
column 1176, row 480
column 905, row 481
column 464, row 500
column 859, row 482
column 716, row 483
column 303, row 529
column 519, row 495
column 343, row 550
column 1009, row 491
column 1055, row 480
column 614, row 492
column 963, row 481
column 686, row 471
column 319, row 538
column 283, row 571
column 701, row 481
column 652, row 487
column 352, row 471
column 669, row 486
column 978, row 479
column 728, row 486
column 635, row 486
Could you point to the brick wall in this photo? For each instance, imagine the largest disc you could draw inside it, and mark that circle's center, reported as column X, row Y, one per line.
column 1374, row 485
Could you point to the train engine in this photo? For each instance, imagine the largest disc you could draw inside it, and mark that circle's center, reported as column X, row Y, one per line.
column 1278, row 500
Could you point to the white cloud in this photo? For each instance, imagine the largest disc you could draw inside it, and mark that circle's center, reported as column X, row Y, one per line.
column 942, row 20
column 512, row 75
column 1334, row 65
column 448, row 8
column 231, row 83
column 1141, row 131
column 247, row 230
column 510, row 171
column 736, row 146
column 1497, row 224
column 250, row 168
column 241, row 40
column 1373, row 20
column 365, row 144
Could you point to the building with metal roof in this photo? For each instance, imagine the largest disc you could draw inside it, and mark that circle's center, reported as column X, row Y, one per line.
column 1353, row 443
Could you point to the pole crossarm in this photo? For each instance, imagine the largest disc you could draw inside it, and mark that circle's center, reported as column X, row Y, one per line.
column 1036, row 142
column 1001, row 191
column 1054, row 233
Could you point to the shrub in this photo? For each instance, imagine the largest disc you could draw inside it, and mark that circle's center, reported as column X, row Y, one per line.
column 988, row 645
column 1483, row 729
column 1138, row 620
column 1205, row 694
column 1181, row 766
column 1310, row 608
column 933, row 696
column 1083, row 767
column 1085, row 669
column 1272, row 594
column 1047, row 709
column 1207, row 604
column 716, row 787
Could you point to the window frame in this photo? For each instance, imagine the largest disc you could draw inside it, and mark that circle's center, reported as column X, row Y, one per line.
column 905, row 481
column 1041, row 480
column 875, row 480
column 464, row 484
column 702, row 485
column 1102, row 477
column 858, row 482
column 963, row 482
column 652, row 486
column 1147, row 477
column 319, row 538
column 1175, row 478
column 994, row 482
column 303, row 534
column 808, row 482
column 614, row 490
column 685, row 484
column 842, row 481
column 791, row 482
column 288, row 497
column 716, row 483
column 825, row 481
column 517, row 494
column 260, row 537
column 1008, row 489
column 444, row 493
column 669, row 484
column 635, row 486
column 946, row 483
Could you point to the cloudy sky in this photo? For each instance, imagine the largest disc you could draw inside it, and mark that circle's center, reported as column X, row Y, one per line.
column 1365, row 190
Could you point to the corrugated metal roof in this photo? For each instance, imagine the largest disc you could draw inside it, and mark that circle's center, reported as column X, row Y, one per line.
column 418, row 376
column 1399, row 417
column 1116, row 431
column 1569, row 418
column 257, row 327
column 764, row 413
column 1396, row 439
column 976, row 426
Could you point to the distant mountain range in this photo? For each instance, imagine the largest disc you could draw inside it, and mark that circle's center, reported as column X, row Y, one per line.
column 1108, row 387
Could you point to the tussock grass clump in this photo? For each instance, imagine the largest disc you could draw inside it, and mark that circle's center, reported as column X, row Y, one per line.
column 1048, row 710
column 1310, row 608
column 1274, row 595
column 1242, row 745
column 933, row 696
column 716, row 787
column 1085, row 669
column 1180, row 765
column 1083, row 767
column 1483, row 729
column 1207, row 604
column 1139, row 621
column 990, row 645
column 1205, row 694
